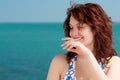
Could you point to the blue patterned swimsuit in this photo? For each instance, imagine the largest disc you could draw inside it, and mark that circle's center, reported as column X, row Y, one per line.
column 70, row 74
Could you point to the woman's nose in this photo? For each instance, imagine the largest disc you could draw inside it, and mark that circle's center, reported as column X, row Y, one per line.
column 75, row 33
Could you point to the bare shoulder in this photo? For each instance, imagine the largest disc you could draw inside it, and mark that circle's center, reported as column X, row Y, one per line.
column 115, row 59
column 114, row 62
column 59, row 62
column 59, row 59
column 57, row 67
column 114, row 68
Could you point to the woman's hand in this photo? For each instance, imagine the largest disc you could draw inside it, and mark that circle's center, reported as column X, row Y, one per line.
column 74, row 45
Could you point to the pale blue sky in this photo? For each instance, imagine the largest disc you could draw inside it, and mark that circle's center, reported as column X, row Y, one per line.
column 48, row 10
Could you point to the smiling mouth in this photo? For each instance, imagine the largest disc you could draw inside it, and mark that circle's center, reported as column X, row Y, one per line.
column 80, row 38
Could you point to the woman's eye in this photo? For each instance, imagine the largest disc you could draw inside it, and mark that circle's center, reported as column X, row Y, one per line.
column 79, row 28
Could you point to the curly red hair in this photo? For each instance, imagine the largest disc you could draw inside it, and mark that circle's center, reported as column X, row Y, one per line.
column 101, row 25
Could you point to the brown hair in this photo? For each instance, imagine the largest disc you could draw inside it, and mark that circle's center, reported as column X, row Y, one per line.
column 93, row 15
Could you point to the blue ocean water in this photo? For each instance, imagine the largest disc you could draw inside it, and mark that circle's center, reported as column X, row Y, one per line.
column 26, row 49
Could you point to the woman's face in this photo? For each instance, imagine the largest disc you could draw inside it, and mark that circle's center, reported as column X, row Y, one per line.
column 83, row 32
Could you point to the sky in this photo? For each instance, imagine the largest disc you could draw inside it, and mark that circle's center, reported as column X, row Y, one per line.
column 48, row 10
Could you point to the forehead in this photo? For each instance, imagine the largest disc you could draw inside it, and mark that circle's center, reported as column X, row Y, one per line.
column 73, row 21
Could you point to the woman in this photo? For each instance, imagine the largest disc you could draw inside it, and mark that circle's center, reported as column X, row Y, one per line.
column 90, row 55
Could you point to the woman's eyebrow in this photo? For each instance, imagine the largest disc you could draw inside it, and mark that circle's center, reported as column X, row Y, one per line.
column 75, row 24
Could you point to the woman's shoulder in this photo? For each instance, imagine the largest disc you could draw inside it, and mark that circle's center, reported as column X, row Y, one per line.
column 60, row 59
column 59, row 63
column 113, row 68
column 57, row 67
column 114, row 61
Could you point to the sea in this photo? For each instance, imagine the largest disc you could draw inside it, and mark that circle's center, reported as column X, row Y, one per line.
column 26, row 49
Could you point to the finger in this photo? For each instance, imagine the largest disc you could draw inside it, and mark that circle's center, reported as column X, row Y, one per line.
column 71, row 47
column 67, row 45
column 78, row 39
column 66, row 39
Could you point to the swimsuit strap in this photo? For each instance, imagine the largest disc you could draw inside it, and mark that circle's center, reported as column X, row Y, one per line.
column 102, row 66
column 70, row 74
